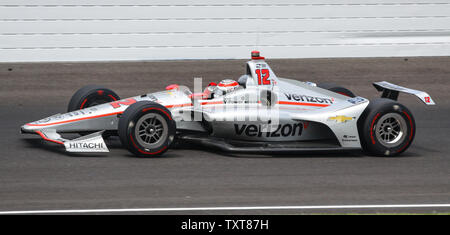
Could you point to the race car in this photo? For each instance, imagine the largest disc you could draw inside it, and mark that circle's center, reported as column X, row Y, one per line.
column 258, row 113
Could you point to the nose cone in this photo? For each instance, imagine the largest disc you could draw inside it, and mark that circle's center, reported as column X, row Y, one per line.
column 25, row 129
column 28, row 129
column 32, row 127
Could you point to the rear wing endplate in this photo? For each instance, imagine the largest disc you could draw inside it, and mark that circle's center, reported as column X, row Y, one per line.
column 391, row 91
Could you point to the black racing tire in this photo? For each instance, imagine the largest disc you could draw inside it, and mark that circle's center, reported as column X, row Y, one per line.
column 146, row 129
column 336, row 88
column 386, row 128
column 91, row 95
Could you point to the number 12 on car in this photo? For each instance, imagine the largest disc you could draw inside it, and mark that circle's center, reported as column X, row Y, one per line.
column 263, row 76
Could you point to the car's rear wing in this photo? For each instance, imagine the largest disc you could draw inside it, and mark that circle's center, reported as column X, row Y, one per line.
column 391, row 91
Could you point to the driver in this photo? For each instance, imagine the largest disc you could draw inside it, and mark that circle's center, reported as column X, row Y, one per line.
column 225, row 86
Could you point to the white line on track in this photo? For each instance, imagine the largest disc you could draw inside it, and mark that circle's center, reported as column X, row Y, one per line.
column 181, row 209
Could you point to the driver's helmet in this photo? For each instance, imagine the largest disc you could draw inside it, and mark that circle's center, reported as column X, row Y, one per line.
column 225, row 86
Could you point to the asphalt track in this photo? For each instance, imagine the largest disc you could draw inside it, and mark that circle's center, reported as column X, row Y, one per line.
column 37, row 175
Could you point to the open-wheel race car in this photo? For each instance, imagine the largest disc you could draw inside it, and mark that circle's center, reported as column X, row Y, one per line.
column 258, row 113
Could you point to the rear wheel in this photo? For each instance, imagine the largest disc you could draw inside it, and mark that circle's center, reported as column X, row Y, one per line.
column 386, row 128
column 336, row 88
column 146, row 129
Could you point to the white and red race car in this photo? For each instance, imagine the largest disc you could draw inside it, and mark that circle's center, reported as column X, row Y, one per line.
column 259, row 113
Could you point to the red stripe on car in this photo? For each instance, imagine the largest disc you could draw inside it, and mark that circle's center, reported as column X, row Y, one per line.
column 302, row 103
column 74, row 120
column 46, row 138
column 208, row 103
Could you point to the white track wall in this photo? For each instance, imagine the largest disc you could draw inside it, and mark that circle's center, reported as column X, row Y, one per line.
column 106, row 30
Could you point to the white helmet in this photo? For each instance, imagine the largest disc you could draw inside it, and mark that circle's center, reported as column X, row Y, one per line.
column 225, row 86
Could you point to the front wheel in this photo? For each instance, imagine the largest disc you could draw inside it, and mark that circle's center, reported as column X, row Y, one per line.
column 146, row 129
column 387, row 128
column 91, row 95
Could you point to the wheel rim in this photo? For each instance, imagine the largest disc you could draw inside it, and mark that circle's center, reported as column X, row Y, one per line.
column 151, row 130
column 391, row 130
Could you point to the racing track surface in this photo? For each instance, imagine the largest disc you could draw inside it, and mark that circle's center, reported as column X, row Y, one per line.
column 36, row 175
